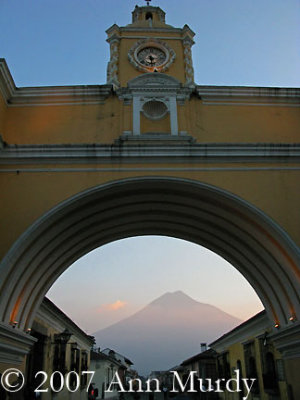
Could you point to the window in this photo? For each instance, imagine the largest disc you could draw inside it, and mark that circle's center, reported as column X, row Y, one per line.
column 224, row 368
column 250, row 361
column 239, row 367
column 270, row 376
column 84, row 367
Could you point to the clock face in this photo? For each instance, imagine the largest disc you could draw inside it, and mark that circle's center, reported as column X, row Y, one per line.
column 151, row 57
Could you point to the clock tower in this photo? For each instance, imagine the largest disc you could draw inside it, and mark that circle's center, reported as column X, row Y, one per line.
column 148, row 44
column 151, row 70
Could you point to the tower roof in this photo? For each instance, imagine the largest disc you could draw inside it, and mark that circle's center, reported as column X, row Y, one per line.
column 148, row 15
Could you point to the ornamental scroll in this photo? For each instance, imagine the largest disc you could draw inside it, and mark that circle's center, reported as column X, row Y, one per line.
column 113, row 65
column 188, row 61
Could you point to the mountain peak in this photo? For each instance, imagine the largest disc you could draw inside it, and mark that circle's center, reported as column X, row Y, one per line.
column 166, row 331
column 174, row 299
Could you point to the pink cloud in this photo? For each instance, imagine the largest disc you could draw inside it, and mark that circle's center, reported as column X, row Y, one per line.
column 112, row 306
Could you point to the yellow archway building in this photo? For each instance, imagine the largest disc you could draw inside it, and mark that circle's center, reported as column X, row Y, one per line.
column 149, row 152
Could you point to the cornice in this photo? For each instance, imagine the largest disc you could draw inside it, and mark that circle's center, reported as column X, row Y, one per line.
column 49, row 95
column 112, row 28
column 96, row 94
column 242, row 95
column 287, row 341
column 151, row 29
column 14, row 344
column 60, row 95
column 134, row 150
column 7, row 84
column 187, row 29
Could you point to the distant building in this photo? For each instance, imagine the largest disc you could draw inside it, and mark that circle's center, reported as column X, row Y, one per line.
column 203, row 363
column 119, row 357
column 105, row 364
column 60, row 346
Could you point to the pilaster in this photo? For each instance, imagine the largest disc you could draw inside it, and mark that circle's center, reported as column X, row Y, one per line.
column 14, row 345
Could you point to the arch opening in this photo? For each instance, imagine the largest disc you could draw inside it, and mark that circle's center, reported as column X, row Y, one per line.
column 118, row 279
column 183, row 209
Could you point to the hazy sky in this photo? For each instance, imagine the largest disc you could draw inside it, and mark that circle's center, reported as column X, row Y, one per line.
column 118, row 279
column 238, row 42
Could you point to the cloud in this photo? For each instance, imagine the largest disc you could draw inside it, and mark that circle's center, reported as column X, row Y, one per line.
column 117, row 305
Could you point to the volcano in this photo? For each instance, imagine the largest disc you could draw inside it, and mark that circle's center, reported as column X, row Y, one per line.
column 166, row 331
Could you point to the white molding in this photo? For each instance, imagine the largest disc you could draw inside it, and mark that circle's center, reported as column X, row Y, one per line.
column 287, row 341
column 150, row 29
column 15, row 346
column 136, row 115
column 154, row 81
column 9, row 354
column 160, row 148
column 49, row 95
column 173, row 116
column 141, row 37
column 255, row 96
column 64, row 95
column 153, row 85
column 97, row 94
column 145, row 169
column 7, row 85
column 248, row 91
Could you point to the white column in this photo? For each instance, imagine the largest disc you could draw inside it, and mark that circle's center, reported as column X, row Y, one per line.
column 173, row 116
column 136, row 115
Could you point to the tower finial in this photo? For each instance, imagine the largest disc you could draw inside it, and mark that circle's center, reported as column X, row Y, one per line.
column 148, row 2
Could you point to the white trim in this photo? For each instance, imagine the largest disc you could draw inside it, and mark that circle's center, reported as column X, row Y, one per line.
column 136, row 115
column 287, row 341
column 17, row 346
column 161, row 169
column 248, row 91
column 258, row 103
column 151, row 29
column 173, row 116
column 246, row 96
column 95, row 94
column 140, row 37
column 64, row 95
column 10, row 354
column 150, row 148
column 7, row 85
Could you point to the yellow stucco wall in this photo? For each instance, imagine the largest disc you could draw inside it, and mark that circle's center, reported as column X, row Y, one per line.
column 245, row 124
column 103, row 123
column 40, row 191
column 64, row 124
column 236, row 352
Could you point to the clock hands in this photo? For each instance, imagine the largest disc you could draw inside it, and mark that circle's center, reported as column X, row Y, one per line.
column 151, row 59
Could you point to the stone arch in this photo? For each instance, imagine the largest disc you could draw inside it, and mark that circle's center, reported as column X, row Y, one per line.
column 185, row 209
